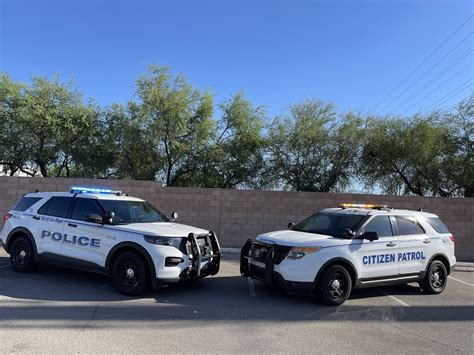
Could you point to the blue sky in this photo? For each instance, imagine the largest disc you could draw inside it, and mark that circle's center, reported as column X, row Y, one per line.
column 279, row 52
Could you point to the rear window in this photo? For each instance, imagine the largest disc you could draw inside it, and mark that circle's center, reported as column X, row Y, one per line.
column 437, row 225
column 25, row 203
column 56, row 206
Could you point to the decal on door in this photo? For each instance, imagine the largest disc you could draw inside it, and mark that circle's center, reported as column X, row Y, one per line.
column 390, row 258
column 71, row 239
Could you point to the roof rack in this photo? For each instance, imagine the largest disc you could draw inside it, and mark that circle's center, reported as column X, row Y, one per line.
column 95, row 190
column 371, row 206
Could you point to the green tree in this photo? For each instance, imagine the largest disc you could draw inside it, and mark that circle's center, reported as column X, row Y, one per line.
column 131, row 144
column 53, row 119
column 93, row 153
column 458, row 167
column 235, row 154
column 410, row 156
column 177, row 118
column 313, row 149
column 14, row 148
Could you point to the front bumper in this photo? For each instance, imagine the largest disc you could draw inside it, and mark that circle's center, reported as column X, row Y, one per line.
column 265, row 270
column 202, row 259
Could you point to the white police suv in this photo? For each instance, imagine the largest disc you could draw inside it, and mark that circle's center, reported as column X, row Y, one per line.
column 353, row 246
column 106, row 231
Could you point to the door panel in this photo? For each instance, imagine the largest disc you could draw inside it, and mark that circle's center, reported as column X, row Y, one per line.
column 49, row 227
column 414, row 245
column 378, row 258
column 85, row 240
column 48, row 231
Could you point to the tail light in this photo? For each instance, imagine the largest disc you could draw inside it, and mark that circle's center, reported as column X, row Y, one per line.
column 6, row 217
column 451, row 238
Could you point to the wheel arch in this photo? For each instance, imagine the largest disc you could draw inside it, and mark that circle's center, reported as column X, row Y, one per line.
column 19, row 232
column 441, row 257
column 348, row 265
column 129, row 246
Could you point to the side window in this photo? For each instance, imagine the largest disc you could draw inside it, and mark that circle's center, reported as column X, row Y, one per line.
column 380, row 225
column 56, row 206
column 408, row 226
column 83, row 207
column 25, row 203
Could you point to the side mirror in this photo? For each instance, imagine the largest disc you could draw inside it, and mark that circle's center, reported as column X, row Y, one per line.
column 291, row 225
column 370, row 236
column 109, row 217
column 348, row 233
column 174, row 215
column 94, row 218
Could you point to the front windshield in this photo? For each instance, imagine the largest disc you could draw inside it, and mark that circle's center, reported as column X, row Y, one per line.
column 333, row 224
column 133, row 211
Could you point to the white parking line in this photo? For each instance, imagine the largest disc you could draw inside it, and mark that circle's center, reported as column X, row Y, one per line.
column 4, row 266
column 461, row 281
column 251, row 288
column 394, row 298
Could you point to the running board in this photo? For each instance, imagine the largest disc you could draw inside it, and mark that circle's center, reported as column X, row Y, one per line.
column 388, row 281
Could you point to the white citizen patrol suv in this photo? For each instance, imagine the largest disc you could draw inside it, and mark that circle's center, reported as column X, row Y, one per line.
column 108, row 232
column 353, row 246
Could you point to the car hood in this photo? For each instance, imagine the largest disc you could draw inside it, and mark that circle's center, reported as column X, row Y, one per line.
column 294, row 238
column 164, row 229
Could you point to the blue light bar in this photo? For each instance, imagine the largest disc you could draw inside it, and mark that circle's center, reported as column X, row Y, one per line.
column 93, row 190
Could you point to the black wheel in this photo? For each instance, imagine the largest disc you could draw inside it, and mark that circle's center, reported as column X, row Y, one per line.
column 22, row 255
column 335, row 286
column 435, row 279
column 130, row 274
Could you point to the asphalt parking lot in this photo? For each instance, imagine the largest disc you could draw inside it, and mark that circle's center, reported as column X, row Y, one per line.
column 64, row 311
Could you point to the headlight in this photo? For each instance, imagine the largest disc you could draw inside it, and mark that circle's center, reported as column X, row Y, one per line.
column 299, row 252
column 168, row 241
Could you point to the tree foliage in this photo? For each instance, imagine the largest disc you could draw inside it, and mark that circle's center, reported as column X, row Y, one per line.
column 314, row 149
column 421, row 156
column 177, row 119
column 170, row 132
column 235, row 153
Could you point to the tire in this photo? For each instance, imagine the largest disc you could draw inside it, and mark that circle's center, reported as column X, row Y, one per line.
column 435, row 279
column 334, row 286
column 22, row 255
column 130, row 274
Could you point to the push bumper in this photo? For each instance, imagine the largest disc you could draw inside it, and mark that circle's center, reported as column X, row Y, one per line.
column 270, row 256
column 204, row 254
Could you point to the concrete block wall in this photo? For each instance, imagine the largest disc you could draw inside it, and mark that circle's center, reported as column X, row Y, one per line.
column 236, row 215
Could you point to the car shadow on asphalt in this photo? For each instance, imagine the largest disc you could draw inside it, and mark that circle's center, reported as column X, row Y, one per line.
column 54, row 293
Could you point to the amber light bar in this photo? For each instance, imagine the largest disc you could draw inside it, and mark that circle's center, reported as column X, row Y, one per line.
column 362, row 205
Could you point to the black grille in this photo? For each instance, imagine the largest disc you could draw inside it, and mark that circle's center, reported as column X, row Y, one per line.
column 205, row 245
column 204, row 242
column 260, row 251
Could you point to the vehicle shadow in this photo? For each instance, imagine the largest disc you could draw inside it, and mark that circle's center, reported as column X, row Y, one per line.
column 60, row 294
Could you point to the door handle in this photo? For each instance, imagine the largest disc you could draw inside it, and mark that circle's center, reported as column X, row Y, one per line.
column 72, row 225
column 426, row 241
column 36, row 217
column 391, row 244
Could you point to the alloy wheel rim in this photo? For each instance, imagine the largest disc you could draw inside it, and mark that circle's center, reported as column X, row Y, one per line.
column 336, row 286
column 21, row 255
column 129, row 275
column 437, row 277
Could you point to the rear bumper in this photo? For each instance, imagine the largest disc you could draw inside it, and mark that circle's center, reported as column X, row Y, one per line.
column 267, row 273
